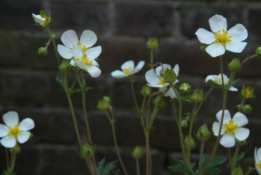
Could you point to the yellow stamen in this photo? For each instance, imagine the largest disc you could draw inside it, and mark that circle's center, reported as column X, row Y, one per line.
column 84, row 48
column 161, row 81
column 85, row 60
column 223, row 37
column 230, row 127
column 14, row 130
column 259, row 164
column 126, row 71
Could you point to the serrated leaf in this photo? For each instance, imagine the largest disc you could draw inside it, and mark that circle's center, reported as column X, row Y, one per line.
column 80, row 90
column 213, row 171
column 217, row 161
column 211, row 168
column 107, row 169
column 182, row 167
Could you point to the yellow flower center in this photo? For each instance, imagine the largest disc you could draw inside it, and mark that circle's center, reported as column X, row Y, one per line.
column 230, row 127
column 84, row 48
column 126, row 71
column 85, row 60
column 259, row 164
column 161, row 81
column 222, row 38
column 14, row 130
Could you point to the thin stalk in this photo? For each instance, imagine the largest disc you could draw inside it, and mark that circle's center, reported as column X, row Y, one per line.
column 54, row 45
column 134, row 94
column 89, row 165
column 235, row 154
column 151, row 59
column 11, row 169
column 7, row 158
column 147, row 135
column 138, row 166
column 229, row 158
column 248, row 58
column 241, row 104
column 202, row 144
column 112, row 121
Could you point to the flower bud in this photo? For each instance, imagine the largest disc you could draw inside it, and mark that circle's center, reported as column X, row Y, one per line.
column 189, row 142
column 247, row 108
column 65, row 65
column 169, row 76
column 86, row 150
column 185, row 88
column 152, row 43
column 203, row 133
column 42, row 51
column 145, row 91
column 159, row 101
column 104, row 104
column 15, row 149
column 258, row 51
column 234, row 65
column 42, row 19
column 237, row 171
column 137, row 153
column 197, row 96
column 203, row 48
column 184, row 123
column 247, row 92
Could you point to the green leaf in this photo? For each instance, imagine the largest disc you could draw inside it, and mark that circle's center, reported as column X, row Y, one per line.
column 59, row 80
column 72, row 91
column 182, row 167
column 107, row 169
column 211, row 169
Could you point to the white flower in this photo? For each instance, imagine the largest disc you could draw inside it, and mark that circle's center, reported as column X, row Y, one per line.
column 39, row 19
column 231, row 128
column 257, row 156
column 14, row 131
column 70, row 40
column 128, row 68
column 155, row 80
column 86, row 61
column 217, row 79
column 221, row 39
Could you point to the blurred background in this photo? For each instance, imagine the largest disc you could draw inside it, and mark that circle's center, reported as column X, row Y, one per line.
column 28, row 81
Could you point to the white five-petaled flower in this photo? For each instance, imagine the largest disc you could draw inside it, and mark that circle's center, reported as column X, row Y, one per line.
column 231, row 128
column 14, row 131
column 221, row 39
column 155, row 80
column 70, row 40
column 128, row 68
column 257, row 156
column 86, row 61
column 217, row 79
column 39, row 19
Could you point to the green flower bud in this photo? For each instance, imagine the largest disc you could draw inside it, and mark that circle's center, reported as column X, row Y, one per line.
column 65, row 65
column 239, row 107
column 169, row 76
column 159, row 101
column 185, row 88
column 234, row 65
column 104, row 104
column 247, row 92
column 258, row 51
column 137, row 153
column 197, row 96
column 237, row 171
column 42, row 51
column 152, row 43
column 145, row 91
column 184, row 123
column 86, row 150
column 15, row 149
column 203, row 48
column 247, row 108
column 203, row 133
column 189, row 142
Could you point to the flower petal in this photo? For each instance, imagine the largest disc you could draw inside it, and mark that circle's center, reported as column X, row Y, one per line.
column 117, row 74
column 227, row 116
column 216, row 127
column 77, row 52
column 38, row 18
column 69, row 38
column 238, row 33
column 232, row 88
column 8, row 141
column 72, row 62
column 205, row 36
column 242, row 134
column 176, row 69
column 3, row 130
column 93, row 52
column 228, row 140
column 152, row 78
column 140, row 65
column 64, row 52
column 218, row 23
column 23, row 136
column 240, row 119
column 236, row 47
column 11, row 118
column 210, row 77
column 162, row 67
column 127, row 65
column 94, row 71
column 257, row 168
column 215, row 50
column 170, row 93
column 258, row 154
column 26, row 124
column 88, row 38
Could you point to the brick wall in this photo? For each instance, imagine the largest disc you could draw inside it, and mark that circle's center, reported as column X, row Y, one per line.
column 28, row 82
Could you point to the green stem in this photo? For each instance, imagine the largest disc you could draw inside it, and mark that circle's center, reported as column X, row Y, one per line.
column 151, row 59
column 133, row 93
column 235, row 155
column 138, row 166
column 241, row 104
column 229, row 159
column 7, row 158
column 202, row 144
column 248, row 58
column 148, row 157
column 11, row 169
column 54, row 45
